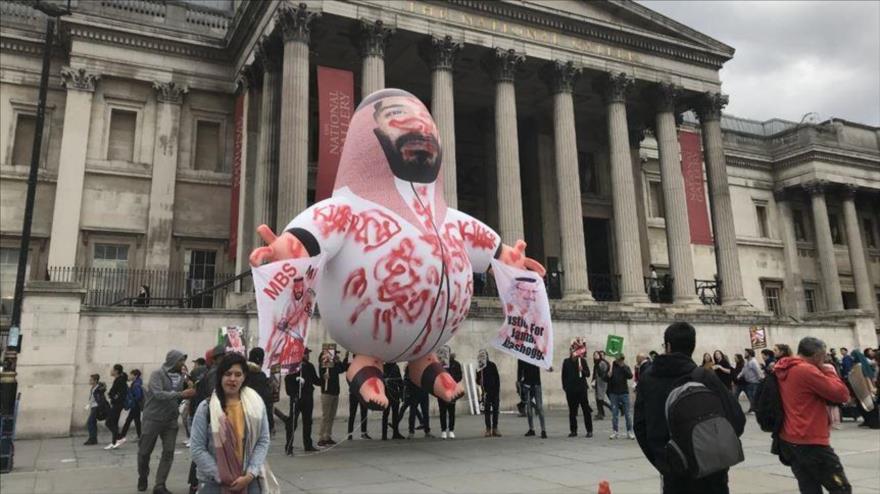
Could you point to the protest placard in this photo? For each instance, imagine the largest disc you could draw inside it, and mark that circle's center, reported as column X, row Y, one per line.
column 285, row 293
column 614, row 345
column 527, row 332
column 232, row 338
column 758, row 337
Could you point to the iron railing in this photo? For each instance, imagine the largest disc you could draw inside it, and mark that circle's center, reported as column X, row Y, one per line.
column 659, row 289
column 122, row 287
column 604, row 287
column 709, row 291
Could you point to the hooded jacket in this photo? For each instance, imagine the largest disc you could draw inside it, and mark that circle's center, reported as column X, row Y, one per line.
column 162, row 397
column 489, row 380
column 806, row 390
column 649, row 422
column 119, row 390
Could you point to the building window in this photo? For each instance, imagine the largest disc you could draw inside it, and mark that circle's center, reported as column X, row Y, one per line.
column 836, row 234
column 761, row 213
column 810, row 299
column 870, row 239
column 109, row 281
column 8, row 271
column 207, row 146
column 200, row 268
column 123, row 124
column 655, row 199
column 23, row 145
column 771, row 291
column 800, row 232
column 110, row 256
column 850, row 301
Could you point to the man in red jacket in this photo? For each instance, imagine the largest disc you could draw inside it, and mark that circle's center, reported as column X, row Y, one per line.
column 806, row 385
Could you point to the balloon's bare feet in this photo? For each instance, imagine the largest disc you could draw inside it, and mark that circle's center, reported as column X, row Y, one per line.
column 366, row 373
column 446, row 389
column 429, row 374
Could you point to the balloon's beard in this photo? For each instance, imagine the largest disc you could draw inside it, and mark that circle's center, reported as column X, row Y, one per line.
column 412, row 157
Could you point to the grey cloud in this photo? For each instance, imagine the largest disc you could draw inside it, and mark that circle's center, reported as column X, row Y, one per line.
column 793, row 57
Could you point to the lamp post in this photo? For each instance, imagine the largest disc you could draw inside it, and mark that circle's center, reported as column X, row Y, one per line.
column 8, row 383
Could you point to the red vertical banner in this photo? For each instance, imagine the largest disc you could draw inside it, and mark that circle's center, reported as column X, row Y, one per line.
column 237, row 152
column 335, row 106
column 692, row 170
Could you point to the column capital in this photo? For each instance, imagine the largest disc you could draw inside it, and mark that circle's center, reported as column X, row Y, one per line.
column 170, row 92
column 816, row 187
column 440, row 52
column 502, row 64
column 246, row 78
column 267, row 52
column 666, row 95
column 614, row 86
column 373, row 37
column 80, row 79
column 709, row 106
column 560, row 75
column 296, row 22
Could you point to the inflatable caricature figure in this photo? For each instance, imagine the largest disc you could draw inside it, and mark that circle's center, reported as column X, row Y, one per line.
column 398, row 267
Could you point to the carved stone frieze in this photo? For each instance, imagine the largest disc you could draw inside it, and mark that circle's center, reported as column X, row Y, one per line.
column 80, row 79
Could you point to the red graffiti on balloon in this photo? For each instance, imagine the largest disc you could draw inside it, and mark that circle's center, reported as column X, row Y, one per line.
column 476, row 234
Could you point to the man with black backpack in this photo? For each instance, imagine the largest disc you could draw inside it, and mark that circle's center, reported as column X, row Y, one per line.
column 696, row 440
column 806, row 386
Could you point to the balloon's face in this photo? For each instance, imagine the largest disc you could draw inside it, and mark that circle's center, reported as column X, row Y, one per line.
column 408, row 137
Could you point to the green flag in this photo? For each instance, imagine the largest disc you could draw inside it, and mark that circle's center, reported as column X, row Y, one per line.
column 614, row 345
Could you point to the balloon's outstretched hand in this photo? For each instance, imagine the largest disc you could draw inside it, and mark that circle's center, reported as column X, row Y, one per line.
column 516, row 256
column 284, row 246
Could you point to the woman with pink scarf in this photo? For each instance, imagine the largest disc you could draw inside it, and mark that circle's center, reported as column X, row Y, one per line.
column 230, row 436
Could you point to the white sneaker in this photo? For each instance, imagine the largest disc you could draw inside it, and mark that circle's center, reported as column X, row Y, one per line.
column 613, row 435
column 630, row 435
column 451, row 435
column 186, row 443
column 110, row 446
column 443, row 435
column 120, row 442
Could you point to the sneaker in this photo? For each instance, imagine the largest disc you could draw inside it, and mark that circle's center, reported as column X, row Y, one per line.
column 120, row 442
column 322, row 443
column 90, row 442
column 331, row 442
column 613, row 435
column 365, row 436
column 428, row 435
column 488, row 433
column 110, row 446
column 142, row 484
column 530, row 433
column 543, row 434
column 630, row 435
column 443, row 435
column 411, row 435
column 589, row 435
column 451, row 435
column 186, row 443
column 572, row 434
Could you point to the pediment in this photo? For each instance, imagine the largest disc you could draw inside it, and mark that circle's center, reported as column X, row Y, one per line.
column 632, row 18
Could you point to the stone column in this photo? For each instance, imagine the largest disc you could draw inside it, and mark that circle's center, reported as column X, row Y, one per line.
column 267, row 53
column 724, row 233
column 441, row 56
column 678, row 236
column 503, row 65
column 636, row 136
column 793, row 294
column 861, row 276
column 626, row 222
column 80, row 86
column 562, row 76
column 169, row 96
column 293, row 163
column 825, row 247
column 246, row 230
column 372, row 40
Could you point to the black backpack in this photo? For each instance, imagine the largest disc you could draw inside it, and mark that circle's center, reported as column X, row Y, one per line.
column 702, row 441
column 768, row 408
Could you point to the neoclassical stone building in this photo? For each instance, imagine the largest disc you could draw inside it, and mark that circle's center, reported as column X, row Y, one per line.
column 568, row 123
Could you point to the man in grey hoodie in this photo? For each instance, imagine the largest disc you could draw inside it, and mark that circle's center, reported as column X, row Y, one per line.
column 163, row 393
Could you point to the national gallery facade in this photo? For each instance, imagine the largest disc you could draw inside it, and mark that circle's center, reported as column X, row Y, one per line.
column 593, row 130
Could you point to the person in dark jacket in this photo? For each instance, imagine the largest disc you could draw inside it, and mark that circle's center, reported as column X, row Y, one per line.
column 722, row 369
column 330, row 368
column 575, row 373
column 98, row 408
column 447, row 410
column 416, row 401
column 393, row 391
column 300, row 387
column 490, row 387
column 650, row 425
column 136, row 390
column 618, row 395
column 118, row 393
column 259, row 382
column 529, row 377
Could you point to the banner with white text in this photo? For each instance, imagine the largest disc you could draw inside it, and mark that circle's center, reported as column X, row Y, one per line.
column 527, row 332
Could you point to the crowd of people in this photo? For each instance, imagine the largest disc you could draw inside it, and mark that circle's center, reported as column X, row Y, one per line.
column 227, row 406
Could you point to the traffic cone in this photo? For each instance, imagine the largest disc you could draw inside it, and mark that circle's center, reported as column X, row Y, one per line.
column 604, row 488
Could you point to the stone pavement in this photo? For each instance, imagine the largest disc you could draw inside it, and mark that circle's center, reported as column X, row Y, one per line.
column 467, row 464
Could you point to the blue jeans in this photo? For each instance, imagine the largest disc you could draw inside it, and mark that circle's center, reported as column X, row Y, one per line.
column 751, row 389
column 92, row 424
column 618, row 402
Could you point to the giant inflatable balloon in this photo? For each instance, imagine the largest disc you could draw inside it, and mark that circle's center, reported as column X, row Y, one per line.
column 397, row 277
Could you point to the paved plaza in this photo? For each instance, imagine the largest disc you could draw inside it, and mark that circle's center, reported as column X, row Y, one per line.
column 469, row 463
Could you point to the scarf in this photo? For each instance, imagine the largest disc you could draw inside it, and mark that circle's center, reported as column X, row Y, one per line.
column 228, row 464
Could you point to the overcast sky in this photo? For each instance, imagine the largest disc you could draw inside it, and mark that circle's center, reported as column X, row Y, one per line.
column 793, row 57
